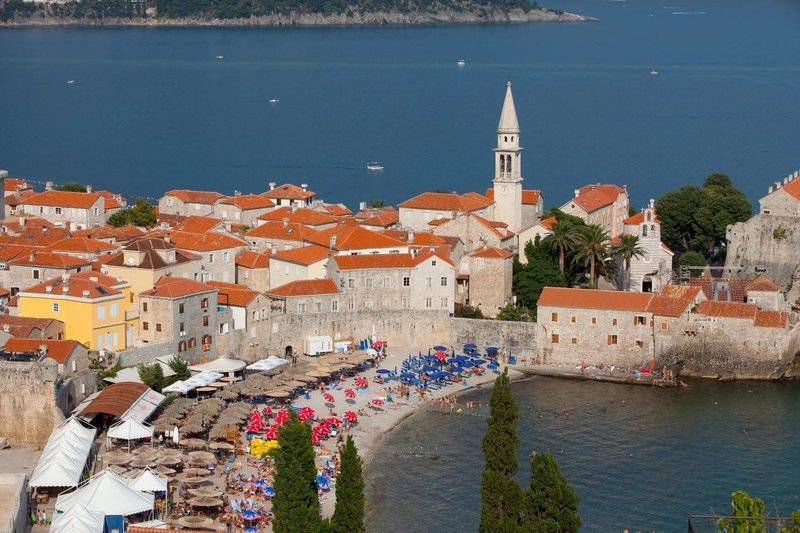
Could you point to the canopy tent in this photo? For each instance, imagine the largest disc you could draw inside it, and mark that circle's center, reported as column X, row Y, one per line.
column 269, row 363
column 221, row 364
column 78, row 519
column 64, row 456
column 148, row 481
column 145, row 406
column 179, row 387
column 132, row 374
column 130, row 429
column 202, row 379
column 106, row 492
column 124, row 400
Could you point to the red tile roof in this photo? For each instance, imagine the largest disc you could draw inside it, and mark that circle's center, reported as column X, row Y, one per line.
column 307, row 287
column 205, row 242
column 305, row 255
column 121, row 234
column 727, row 309
column 188, row 196
column 492, row 253
column 169, row 287
column 792, row 188
column 594, row 299
column 11, row 251
column 500, row 229
column 288, row 191
column 763, row 284
column 49, row 260
column 547, row 223
column 116, row 399
column 440, row 201
column 249, row 201
column 57, row 350
column 85, row 285
column 359, row 238
column 233, row 294
column 307, row 217
column 289, row 232
column 593, row 197
column 251, row 259
column 15, row 184
column 420, row 238
column 382, row 219
column 197, row 224
column 439, row 221
column 529, row 196
column 79, row 200
column 81, row 245
column 771, row 319
column 440, row 252
column 40, row 235
column 638, row 218
column 674, row 300
column 23, row 326
column 336, row 210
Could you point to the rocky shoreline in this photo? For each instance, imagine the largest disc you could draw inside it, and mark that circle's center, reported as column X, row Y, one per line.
column 394, row 18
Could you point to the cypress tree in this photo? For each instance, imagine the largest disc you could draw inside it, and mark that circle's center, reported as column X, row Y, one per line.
column 295, row 504
column 501, row 495
column 348, row 517
column 552, row 505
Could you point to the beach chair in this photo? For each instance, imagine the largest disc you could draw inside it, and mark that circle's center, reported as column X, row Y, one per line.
column 512, row 359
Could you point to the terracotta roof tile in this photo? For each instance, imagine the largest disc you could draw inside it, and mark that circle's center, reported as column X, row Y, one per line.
column 57, row 350
column 251, row 259
column 436, row 222
column 41, row 236
column 79, row 200
column 197, row 224
column 372, row 211
column 337, row 210
column 674, row 300
column 205, row 242
column 763, row 284
column 290, row 232
column 50, row 260
column 248, row 201
column 307, row 217
column 233, row 294
column 23, row 326
column 440, row 252
column 420, row 238
column 771, row 319
column 308, row 287
column 529, row 196
column 116, row 399
column 188, row 196
column 492, row 253
column 85, row 285
column 81, row 245
column 792, row 188
column 547, row 223
column 440, row 201
column 594, row 299
column 638, row 218
column 727, row 309
column 288, row 191
column 382, row 220
column 305, row 255
column 500, row 229
column 12, row 251
column 593, row 197
column 359, row 238
column 15, row 184
column 169, row 287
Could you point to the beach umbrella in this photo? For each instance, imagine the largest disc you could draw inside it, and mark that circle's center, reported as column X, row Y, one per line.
column 269, row 492
column 194, row 443
column 306, row 413
column 350, row 393
column 249, row 515
column 197, row 480
column 251, row 529
column 204, row 501
column 441, row 356
column 272, row 432
column 470, row 346
column 440, row 348
column 205, row 492
column 117, row 458
column 221, row 446
column 361, row 383
column 206, row 457
column 377, row 401
column 328, row 397
column 169, row 460
column 267, row 411
column 195, row 472
column 315, row 438
column 165, row 471
column 322, row 429
column 226, row 394
column 478, row 361
column 282, row 416
column 332, row 420
column 142, row 462
column 383, row 371
column 324, row 369
column 323, row 483
column 350, row 416
column 195, row 521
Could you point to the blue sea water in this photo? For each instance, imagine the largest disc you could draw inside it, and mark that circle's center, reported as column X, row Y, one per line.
column 640, row 458
column 153, row 109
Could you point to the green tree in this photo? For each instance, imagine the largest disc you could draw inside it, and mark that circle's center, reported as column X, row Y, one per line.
column 468, row 311
column 514, row 313
column 348, row 516
column 592, row 251
column 744, row 506
column 141, row 214
column 295, row 504
column 551, row 505
column 539, row 272
column 71, row 186
column 377, row 204
column 563, row 239
column 152, row 375
column 501, row 495
column 626, row 250
column 180, row 367
column 693, row 259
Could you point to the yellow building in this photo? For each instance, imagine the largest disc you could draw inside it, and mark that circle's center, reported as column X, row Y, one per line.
column 95, row 308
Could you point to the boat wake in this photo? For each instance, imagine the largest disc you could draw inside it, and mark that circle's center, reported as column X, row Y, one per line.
column 689, row 13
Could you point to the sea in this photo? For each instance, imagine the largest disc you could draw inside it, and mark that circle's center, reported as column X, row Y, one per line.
column 153, row 109
column 640, row 458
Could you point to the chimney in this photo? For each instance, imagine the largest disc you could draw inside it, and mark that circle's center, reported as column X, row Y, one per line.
column 237, row 193
column 6, row 328
column 65, row 289
column 22, row 221
column 293, row 209
column 777, row 185
column 43, row 349
column 304, row 186
column 88, row 188
column 86, row 294
column 48, row 288
column 592, row 187
column 652, row 203
column 285, row 222
column 271, row 185
column 48, row 186
column 65, row 278
column 104, row 269
column 410, row 236
column 32, row 256
column 333, row 242
column 93, row 279
column 577, row 192
column 362, row 206
column 44, row 229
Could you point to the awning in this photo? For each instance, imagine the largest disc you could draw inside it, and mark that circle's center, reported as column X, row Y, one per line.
column 130, row 429
column 222, row 364
column 64, row 456
column 144, row 406
column 269, row 363
column 132, row 374
column 78, row 519
column 148, row 481
column 106, row 492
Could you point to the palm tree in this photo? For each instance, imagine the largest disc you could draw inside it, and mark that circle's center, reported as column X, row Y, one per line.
column 562, row 239
column 592, row 248
column 628, row 248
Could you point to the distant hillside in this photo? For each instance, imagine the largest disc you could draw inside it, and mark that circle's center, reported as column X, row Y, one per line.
column 276, row 12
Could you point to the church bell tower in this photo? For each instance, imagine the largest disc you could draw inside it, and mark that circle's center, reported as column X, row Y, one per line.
column 507, row 181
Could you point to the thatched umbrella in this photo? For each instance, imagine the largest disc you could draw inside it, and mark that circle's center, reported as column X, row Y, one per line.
column 194, row 426
column 277, row 394
column 117, row 469
column 162, row 425
column 197, row 480
column 141, row 463
column 194, row 472
column 206, row 456
column 169, row 460
column 204, row 502
column 226, row 394
column 304, row 379
column 205, row 492
column 194, row 443
column 230, row 379
column 218, row 432
column 317, row 374
column 165, row 471
column 117, row 458
column 194, row 521
column 221, row 446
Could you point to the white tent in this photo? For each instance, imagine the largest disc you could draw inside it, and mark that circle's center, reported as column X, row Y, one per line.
column 130, row 429
column 179, row 387
column 148, row 481
column 64, row 456
column 144, row 406
column 132, row 374
column 222, row 364
column 109, row 493
column 269, row 363
column 78, row 519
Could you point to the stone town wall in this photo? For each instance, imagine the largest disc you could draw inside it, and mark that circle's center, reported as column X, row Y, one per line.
column 15, row 519
column 28, row 401
column 517, row 338
column 147, row 353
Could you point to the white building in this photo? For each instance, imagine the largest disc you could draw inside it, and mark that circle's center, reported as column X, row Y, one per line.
column 652, row 271
column 507, row 183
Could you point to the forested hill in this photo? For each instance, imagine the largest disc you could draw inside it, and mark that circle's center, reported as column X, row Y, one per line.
column 276, row 12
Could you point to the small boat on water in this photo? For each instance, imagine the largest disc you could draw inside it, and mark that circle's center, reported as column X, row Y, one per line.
column 654, row 72
column 220, row 57
column 461, row 62
column 70, row 82
column 374, row 166
column 273, row 101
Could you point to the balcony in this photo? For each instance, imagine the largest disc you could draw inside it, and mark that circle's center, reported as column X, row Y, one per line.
column 131, row 314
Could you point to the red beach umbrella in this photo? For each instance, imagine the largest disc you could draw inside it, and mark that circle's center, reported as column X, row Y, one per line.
column 306, row 413
column 282, row 416
column 349, row 393
column 272, row 432
column 377, row 401
column 322, row 429
column 333, row 421
column 362, row 383
column 350, row 416
column 315, row 438
column 328, row 397
column 441, row 356
column 268, row 411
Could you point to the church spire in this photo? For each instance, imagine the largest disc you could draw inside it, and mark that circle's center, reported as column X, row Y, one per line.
column 508, row 118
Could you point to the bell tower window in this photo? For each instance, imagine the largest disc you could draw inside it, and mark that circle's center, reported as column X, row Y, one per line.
column 508, row 164
column 644, row 230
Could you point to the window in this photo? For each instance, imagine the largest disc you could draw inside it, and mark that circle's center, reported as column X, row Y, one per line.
column 101, row 312
column 58, row 210
column 204, row 303
column 131, row 296
column 385, row 302
column 406, row 302
column 386, row 282
column 351, row 305
column 612, row 340
column 443, row 302
column 301, row 307
column 192, row 342
column 182, row 346
column 112, row 309
column 639, row 321
column 41, row 210
column 573, row 319
column 182, row 327
column 368, row 303
column 664, row 326
column 428, row 282
column 613, row 321
column 317, row 307
column 335, row 306
column 210, row 258
column 554, row 338
column 351, row 283
column 158, row 326
column 180, row 308
column 640, row 344
column 144, row 306
column 406, row 281
column 433, row 263
column 35, row 273
column 428, row 302
column 145, row 326
column 254, row 315
column 226, row 256
column 553, row 317
column 96, row 211
column 368, row 283
column 444, row 281
column 574, row 340
column 594, row 320
column 55, row 307
column 205, row 320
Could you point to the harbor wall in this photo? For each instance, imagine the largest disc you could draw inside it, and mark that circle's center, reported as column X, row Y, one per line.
column 517, row 338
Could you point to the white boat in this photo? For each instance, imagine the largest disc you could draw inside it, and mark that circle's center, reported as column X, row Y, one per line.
column 374, row 166
column 70, row 82
column 274, row 101
column 220, row 57
column 654, row 72
column 461, row 62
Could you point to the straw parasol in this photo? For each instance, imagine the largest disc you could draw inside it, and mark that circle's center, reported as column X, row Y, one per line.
column 221, row 446
column 197, row 480
column 194, row 443
column 226, row 394
column 305, row 379
column 141, row 462
column 117, row 458
column 317, row 374
column 165, row 471
column 206, row 389
column 194, row 521
column 169, row 460
column 219, row 384
column 277, row 394
column 204, row 501
column 230, row 379
column 117, row 469
column 208, row 457
column 192, row 426
column 195, row 472
column 205, row 492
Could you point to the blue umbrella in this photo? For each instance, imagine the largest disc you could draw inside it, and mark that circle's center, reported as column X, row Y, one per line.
column 478, row 361
column 249, row 515
column 384, row 371
column 269, row 491
column 468, row 364
column 429, row 368
column 261, row 483
column 251, row 529
column 408, row 375
column 491, row 349
column 453, row 361
column 322, row 482
column 470, row 346
column 440, row 348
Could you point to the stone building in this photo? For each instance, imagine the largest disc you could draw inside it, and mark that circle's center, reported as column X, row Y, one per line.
column 319, row 296
column 252, row 270
column 75, row 210
column 283, row 236
column 32, row 328
column 243, row 209
column 507, row 183
column 653, row 270
column 290, row 195
column 217, row 253
column 532, row 206
column 485, row 279
column 417, row 213
column 600, row 204
column 183, row 312
column 307, row 262
column 35, row 267
column 765, row 294
column 476, row 232
column 187, row 202
column 352, row 239
column 299, row 215
column 783, row 198
column 83, row 248
column 540, row 230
